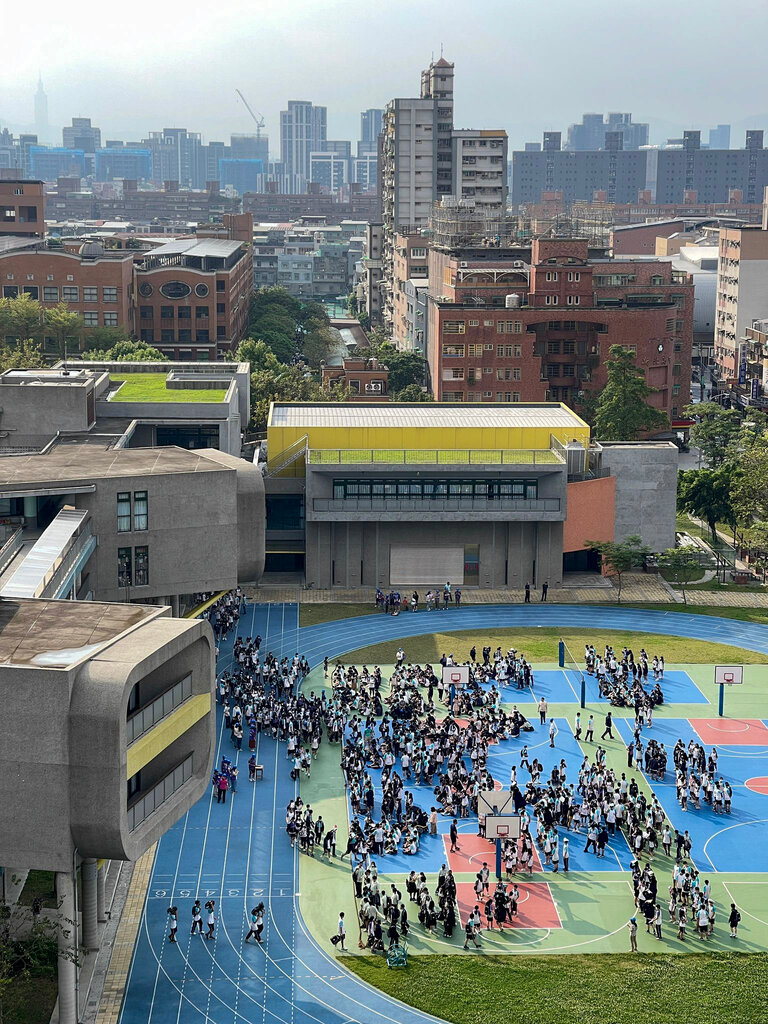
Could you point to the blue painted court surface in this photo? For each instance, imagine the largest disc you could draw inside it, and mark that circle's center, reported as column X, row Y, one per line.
column 238, row 853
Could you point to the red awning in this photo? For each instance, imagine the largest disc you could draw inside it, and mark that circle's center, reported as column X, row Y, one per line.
column 683, row 423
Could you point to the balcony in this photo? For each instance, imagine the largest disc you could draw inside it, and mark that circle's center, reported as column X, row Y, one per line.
column 442, row 509
column 330, row 458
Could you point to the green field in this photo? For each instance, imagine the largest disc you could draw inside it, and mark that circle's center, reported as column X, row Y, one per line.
column 150, row 387
column 540, row 644
column 724, row 988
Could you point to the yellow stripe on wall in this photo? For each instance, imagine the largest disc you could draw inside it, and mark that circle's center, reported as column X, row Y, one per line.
column 160, row 736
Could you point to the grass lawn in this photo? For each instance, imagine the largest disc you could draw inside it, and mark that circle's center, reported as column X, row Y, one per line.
column 695, row 573
column 150, row 387
column 39, row 883
column 540, row 644
column 30, row 1000
column 312, row 614
column 596, row 989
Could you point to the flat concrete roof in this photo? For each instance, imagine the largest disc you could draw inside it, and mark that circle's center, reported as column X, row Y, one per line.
column 82, row 462
column 57, row 634
column 403, row 414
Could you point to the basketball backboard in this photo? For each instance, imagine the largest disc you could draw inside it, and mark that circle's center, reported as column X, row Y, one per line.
column 729, row 675
column 495, row 801
column 456, row 675
column 502, row 826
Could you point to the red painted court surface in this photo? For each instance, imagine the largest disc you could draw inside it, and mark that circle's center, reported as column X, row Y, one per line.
column 535, row 909
column 759, row 784
column 732, row 732
column 473, row 850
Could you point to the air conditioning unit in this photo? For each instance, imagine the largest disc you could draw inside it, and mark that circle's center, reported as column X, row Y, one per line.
column 373, row 386
column 518, row 264
column 464, row 263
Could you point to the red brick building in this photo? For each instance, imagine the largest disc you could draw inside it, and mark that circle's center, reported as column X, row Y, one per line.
column 564, row 312
column 367, row 380
column 190, row 298
column 21, row 208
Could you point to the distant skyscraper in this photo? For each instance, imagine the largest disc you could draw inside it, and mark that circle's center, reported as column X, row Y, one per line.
column 81, row 134
column 370, row 125
column 41, row 110
column 590, row 134
column 720, row 137
column 303, row 130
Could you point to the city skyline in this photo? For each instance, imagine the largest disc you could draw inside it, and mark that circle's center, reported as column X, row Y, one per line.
column 488, row 73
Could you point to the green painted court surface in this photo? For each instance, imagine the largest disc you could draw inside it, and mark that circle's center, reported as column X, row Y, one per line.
column 585, row 911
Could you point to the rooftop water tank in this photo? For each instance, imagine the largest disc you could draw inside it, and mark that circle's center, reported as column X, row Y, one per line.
column 512, row 301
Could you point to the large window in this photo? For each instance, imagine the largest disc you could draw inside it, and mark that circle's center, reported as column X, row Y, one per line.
column 433, row 488
column 124, row 567
column 141, row 566
column 140, row 510
column 124, row 512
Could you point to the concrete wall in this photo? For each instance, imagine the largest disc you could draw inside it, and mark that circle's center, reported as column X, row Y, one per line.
column 646, row 490
column 251, row 514
column 192, row 536
column 357, row 554
column 70, row 791
column 42, row 409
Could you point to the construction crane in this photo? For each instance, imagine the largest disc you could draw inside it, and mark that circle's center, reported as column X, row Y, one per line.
column 260, row 122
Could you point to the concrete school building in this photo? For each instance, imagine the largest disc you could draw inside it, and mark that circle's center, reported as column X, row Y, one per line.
column 108, row 725
column 411, row 495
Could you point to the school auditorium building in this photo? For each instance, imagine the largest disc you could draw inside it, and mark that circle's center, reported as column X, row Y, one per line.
column 412, row 495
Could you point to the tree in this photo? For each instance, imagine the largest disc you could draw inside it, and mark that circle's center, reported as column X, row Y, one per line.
column 127, row 351
column 319, row 344
column 21, row 317
column 64, row 325
column 258, row 354
column 682, row 565
column 619, row 557
column 749, row 490
column 25, row 355
column 706, row 494
column 586, row 406
column 412, row 393
column 103, row 338
column 404, row 367
column 622, row 410
column 723, row 434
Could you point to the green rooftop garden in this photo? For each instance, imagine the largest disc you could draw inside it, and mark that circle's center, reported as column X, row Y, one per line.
column 150, row 387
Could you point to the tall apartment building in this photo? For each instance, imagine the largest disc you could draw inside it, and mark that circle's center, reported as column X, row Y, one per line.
column 409, row 265
column 684, row 173
column 742, row 291
column 370, row 126
column 81, row 134
column 303, row 130
column 478, row 167
column 590, row 134
column 176, row 155
column 563, row 311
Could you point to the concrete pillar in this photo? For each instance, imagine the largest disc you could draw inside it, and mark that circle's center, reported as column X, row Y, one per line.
column 175, row 605
column 88, row 873
column 30, row 511
column 101, row 902
column 65, row 894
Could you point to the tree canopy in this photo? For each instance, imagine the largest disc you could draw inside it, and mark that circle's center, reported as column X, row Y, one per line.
column 706, row 493
column 127, row 351
column 723, row 435
column 623, row 412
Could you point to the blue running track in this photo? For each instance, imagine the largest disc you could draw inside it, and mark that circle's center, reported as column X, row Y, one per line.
column 238, row 853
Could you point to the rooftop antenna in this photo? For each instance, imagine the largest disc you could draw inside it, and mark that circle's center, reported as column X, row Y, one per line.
column 65, row 371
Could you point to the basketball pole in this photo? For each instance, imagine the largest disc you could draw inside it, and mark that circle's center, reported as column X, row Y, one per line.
column 721, row 700
column 498, row 859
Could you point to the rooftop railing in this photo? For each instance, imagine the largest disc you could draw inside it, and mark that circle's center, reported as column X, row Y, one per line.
column 434, row 457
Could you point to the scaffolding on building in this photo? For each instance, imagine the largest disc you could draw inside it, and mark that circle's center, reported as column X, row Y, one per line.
column 457, row 223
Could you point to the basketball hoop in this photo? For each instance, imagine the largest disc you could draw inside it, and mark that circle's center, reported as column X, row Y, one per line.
column 502, row 831
column 455, row 677
column 728, row 677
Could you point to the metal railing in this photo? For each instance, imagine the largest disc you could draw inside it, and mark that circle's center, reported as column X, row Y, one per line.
column 287, row 456
column 57, row 583
column 147, row 804
column 158, row 709
column 442, row 503
column 11, row 548
column 433, row 456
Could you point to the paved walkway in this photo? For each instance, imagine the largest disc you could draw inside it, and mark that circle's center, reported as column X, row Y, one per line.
column 636, row 588
column 238, row 853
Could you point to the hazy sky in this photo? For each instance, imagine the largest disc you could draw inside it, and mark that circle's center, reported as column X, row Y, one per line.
column 519, row 66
